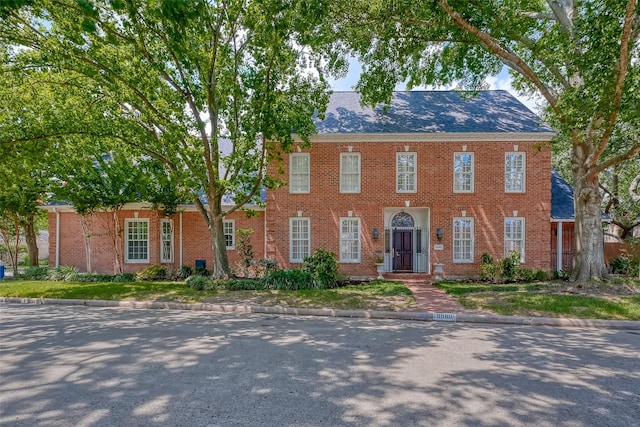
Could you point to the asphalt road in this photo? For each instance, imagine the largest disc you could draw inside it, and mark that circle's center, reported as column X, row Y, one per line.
column 81, row 366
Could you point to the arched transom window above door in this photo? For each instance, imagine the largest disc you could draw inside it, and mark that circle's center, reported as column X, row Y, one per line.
column 402, row 219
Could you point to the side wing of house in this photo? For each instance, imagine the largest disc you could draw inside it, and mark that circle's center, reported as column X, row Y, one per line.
column 141, row 237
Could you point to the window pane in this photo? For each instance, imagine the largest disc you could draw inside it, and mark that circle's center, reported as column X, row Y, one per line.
column 463, row 172
column 463, row 239
column 514, row 172
column 299, row 173
column 299, row 235
column 350, row 239
column 406, row 172
column 229, row 233
column 350, row 172
column 137, row 240
column 514, row 236
column 166, row 241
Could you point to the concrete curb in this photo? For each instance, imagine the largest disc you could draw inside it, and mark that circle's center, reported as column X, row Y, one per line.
column 363, row 314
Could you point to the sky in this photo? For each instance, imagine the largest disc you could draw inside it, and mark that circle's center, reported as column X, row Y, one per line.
column 500, row 82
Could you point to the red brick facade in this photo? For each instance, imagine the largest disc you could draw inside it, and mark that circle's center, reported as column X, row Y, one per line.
column 434, row 204
column 191, row 239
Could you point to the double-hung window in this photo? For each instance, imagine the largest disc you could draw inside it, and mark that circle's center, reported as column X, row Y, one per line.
column 463, row 172
column 229, row 230
column 349, row 239
column 299, row 239
column 299, row 173
column 514, row 236
column 406, row 172
column 136, row 240
column 349, row 172
column 166, row 240
column 514, row 172
column 463, row 239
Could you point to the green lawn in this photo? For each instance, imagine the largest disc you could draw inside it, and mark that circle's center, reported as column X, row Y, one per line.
column 546, row 299
column 377, row 295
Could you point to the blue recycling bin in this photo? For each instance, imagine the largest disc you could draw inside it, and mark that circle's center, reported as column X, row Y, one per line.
column 1, row 271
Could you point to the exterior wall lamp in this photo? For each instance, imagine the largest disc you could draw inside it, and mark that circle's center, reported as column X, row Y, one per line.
column 439, row 234
column 376, row 234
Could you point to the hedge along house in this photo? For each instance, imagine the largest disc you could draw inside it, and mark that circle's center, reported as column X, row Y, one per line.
column 436, row 178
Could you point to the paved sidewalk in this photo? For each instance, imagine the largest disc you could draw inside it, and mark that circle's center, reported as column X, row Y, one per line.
column 431, row 299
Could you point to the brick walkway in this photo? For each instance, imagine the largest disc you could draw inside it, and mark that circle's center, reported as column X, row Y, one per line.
column 429, row 298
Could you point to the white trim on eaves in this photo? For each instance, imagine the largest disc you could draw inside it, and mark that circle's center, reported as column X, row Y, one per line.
column 146, row 207
column 434, row 137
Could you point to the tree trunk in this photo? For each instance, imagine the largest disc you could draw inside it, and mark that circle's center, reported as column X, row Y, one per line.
column 588, row 260
column 11, row 248
column 220, row 268
column 86, row 223
column 32, row 241
column 118, row 244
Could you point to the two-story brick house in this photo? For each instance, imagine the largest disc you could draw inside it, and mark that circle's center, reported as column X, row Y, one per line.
column 436, row 177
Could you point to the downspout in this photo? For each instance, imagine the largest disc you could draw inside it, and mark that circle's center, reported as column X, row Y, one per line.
column 181, row 263
column 57, row 237
column 559, row 244
column 265, row 233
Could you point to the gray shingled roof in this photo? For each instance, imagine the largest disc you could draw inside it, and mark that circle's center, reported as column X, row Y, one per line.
column 430, row 112
column 561, row 198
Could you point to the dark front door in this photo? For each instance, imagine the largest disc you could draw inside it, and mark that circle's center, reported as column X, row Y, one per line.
column 403, row 246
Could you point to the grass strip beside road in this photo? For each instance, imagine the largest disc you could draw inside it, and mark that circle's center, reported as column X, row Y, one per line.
column 543, row 300
column 377, row 295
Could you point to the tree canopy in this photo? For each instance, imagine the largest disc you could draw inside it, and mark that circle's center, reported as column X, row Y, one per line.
column 200, row 86
column 583, row 58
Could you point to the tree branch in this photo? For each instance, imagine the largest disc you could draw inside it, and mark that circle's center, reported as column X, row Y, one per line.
column 505, row 55
column 623, row 68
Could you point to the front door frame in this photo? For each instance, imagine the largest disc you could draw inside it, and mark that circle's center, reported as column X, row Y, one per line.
column 403, row 249
column 420, row 241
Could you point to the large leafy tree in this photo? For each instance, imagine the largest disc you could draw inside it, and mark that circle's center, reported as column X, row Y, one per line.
column 582, row 57
column 202, row 86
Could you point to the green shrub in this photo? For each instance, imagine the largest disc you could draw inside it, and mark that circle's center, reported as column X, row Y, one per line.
column 619, row 265
column 510, row 265
column 323, row 267
column 489, row 271
column 202, row 271
column 63, row 273
column 93, row 278
column 35, row 273
column 124, row 277
column 154, row 272
column 184, row 272
column 560, row 275
column 486, row 258
column 526, row 274
column 541, row 275
column 239, row 284
column 199, row 283
column 289, row 280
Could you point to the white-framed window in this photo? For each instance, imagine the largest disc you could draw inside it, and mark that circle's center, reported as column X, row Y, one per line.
column 515, row 164
column 299, row 173
column 166, row 240
column 136, row 240
column 406, row 172
column 349, row 172
column 350, row 239
column 229, row 230
column 463, row 239
column 463, row 171
column 299, row 239
column 514, row 236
